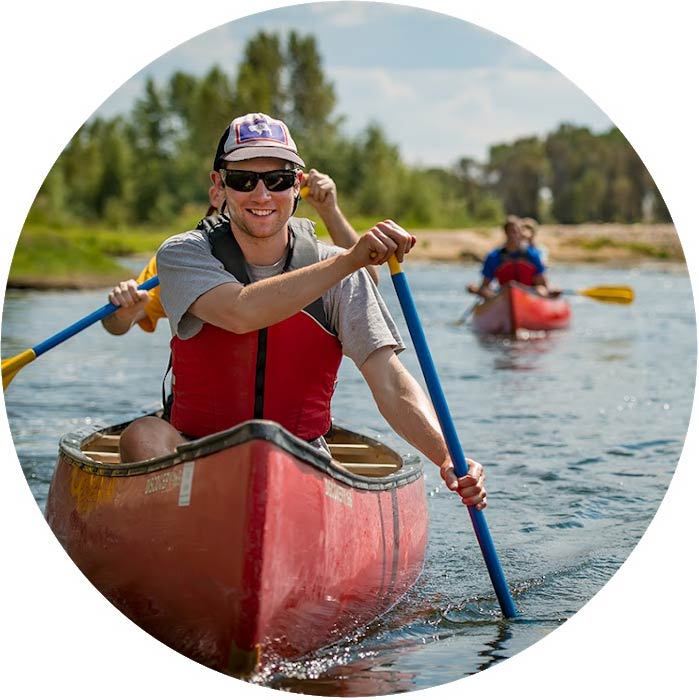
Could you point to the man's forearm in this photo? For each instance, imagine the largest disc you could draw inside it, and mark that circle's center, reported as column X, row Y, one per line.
column 118, row 326
column 405, row 406
column 261, row 304
column 485, row 290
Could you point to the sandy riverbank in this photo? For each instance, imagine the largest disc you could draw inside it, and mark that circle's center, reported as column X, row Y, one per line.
column 605, row 244
column 614, row 245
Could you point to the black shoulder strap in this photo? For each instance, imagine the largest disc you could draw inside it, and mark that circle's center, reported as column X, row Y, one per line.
column 208, row 223
column 305, row 243
column 225, row 247
column 306, row 253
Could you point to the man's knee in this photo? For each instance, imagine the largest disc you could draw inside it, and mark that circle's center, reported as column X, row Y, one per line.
column 146, row 438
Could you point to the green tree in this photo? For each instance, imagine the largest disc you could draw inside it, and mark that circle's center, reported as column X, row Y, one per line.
column 474, row 190
column 213, row 107
column 82, row 163
column 152, row 165
column 203, row 107
column 379, row 174
column 573, row 151
column 114, row 192
column 181, row 89
column 311, row 98
column 659, row 210
column 50, row 203
column 518, row 171
column 153, row 139
column 259, row 86
column 630, row 183
column 596, row 177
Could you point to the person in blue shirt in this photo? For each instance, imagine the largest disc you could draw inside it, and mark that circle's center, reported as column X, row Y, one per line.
column 529, row 230
column 516, row 261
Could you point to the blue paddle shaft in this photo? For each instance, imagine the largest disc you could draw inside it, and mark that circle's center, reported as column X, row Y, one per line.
column 83, row 323
column 451, row 438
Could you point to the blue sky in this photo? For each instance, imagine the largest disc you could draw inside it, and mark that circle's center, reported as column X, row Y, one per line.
column 441, row 88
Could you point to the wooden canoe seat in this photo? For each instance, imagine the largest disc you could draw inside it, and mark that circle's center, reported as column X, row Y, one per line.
column 358, row 453
column 357, row 457
column 347, row 447
column 364, row 469
column 104, row 457
column 103, row 448
column 363, row 459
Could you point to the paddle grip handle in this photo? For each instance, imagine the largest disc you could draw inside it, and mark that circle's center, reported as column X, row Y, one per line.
column 88, row 320
column 451, row 437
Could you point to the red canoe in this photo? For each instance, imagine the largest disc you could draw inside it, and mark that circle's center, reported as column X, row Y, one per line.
column 245, row 546
column 518, row 310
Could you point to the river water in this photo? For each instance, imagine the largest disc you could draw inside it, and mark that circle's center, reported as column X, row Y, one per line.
column 580, row 433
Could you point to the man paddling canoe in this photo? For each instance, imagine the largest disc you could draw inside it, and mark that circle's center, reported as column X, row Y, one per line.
column 513, row 262
column 262, row 314
column 144, row 308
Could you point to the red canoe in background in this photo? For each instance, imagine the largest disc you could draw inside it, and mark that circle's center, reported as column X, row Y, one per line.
column 518, row 310
column 246, row 546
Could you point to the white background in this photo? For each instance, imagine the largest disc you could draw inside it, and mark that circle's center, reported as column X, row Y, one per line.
column 60, row 61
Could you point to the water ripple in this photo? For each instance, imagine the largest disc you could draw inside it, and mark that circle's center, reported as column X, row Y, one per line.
column 579, row 432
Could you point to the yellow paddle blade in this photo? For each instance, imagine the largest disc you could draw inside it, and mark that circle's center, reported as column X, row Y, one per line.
column 609, row 295
column 14, row 364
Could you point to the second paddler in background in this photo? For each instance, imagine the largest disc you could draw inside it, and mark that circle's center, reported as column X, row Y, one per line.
column 515, row 261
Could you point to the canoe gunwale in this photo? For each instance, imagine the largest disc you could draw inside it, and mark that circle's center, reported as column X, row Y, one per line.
column 71, row 444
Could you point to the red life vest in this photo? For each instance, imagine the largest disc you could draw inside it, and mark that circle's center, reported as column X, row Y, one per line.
column 285, row 373
column 515, row 268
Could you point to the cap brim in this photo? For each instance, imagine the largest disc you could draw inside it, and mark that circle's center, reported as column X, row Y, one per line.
column 250, row 152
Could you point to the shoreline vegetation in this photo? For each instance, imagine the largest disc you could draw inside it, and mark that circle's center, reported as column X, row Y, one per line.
column 124, row 184
column 82, row 259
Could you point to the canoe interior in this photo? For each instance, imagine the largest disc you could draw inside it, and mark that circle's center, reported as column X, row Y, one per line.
column 351, row 451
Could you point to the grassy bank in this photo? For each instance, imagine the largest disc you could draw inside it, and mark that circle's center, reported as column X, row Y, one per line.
column 84, row 257
column 75, row 258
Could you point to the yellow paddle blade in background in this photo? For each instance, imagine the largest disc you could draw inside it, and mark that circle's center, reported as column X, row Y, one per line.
column 11, row 366
column 609, row 295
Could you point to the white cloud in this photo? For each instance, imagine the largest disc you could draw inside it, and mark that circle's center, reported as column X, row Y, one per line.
column 514, row 96
column 437, row 116
column 353, row 14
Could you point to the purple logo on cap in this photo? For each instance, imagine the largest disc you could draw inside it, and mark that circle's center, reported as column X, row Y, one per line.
column 260, row 130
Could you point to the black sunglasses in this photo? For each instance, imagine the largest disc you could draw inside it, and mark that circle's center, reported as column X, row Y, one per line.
column 246, row 181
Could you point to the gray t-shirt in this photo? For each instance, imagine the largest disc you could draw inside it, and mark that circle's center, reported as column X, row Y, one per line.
column 355, row 310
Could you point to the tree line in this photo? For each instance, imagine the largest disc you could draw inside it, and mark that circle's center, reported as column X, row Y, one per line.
column 150, row 166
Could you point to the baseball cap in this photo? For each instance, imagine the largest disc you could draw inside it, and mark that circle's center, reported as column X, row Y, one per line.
column 256, row 136
column 219, row 149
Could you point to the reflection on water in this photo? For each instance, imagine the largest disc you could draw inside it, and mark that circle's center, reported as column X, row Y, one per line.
column 519, row 354
column 580, row 432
